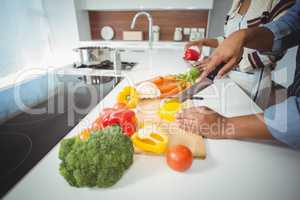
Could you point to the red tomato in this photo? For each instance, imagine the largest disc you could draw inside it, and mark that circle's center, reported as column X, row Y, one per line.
column 179, row 158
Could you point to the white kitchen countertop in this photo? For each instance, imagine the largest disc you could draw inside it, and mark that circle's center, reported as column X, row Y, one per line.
column 232, row 170
column 139, row 44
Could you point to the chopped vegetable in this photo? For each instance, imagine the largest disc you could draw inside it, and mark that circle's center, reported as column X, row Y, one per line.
column 190, row 76
column 170, row 93
column 173, row 84
column 149, row 141
column 170, row 77
column 100, row 161
column 128, row 96
column 179, row 158
column 158, row 80
column 168, row 86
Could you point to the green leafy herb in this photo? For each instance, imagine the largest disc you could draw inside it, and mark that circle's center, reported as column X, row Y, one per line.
column 190, row 76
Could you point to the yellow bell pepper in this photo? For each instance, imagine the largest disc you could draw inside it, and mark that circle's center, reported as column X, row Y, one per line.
column 154, row 143
column 128, row 96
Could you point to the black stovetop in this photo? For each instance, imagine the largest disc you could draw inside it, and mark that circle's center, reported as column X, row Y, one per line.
column 28, row 137
column 108, row 65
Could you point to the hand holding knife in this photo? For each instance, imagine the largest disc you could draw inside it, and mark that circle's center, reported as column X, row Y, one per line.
column 204, row 82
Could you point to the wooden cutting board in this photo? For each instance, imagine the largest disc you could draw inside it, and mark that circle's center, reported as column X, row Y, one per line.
column 147, row 112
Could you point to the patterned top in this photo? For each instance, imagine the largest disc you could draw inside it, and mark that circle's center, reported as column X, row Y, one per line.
column 259, row 13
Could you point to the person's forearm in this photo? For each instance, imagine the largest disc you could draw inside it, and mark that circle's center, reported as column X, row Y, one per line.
column 258, row 38
column 247, row 127
column 211, row 42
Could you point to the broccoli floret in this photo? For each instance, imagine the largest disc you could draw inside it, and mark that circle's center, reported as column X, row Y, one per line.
column 99, row 161
column 66, row 146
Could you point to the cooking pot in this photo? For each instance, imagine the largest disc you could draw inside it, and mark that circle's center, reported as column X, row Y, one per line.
column 89, row 56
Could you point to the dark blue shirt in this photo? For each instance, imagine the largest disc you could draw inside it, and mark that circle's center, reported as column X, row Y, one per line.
column 283, row 120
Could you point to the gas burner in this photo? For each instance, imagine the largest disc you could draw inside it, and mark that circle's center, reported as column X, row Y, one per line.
column 108, row 65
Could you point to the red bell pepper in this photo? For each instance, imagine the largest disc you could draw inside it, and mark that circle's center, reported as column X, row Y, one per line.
column 97, row 124
column 125, row 118
column 191, row 55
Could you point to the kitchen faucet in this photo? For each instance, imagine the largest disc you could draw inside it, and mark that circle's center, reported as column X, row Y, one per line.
column 150, row 24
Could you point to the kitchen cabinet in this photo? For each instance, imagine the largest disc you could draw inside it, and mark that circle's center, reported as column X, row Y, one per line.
column 146, row 4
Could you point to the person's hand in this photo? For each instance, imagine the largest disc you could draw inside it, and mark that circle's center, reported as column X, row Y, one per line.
column 204, row 121
column 228, row 53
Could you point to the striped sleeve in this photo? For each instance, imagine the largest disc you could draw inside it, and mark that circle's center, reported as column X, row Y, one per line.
column 254, row 60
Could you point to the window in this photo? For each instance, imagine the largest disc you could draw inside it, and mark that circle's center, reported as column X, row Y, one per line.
column 24, row 36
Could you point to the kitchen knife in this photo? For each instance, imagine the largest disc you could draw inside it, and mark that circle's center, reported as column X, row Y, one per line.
column 197, row 87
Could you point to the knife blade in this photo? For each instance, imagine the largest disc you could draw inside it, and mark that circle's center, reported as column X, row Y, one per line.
column 194, row 89
column 198, row 86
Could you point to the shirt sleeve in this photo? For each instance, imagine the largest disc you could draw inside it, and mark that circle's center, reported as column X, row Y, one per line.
column 283, row 121
column 286, row 30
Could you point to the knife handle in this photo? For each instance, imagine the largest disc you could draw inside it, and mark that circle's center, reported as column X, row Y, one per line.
column 212, row 75
column 197, row 98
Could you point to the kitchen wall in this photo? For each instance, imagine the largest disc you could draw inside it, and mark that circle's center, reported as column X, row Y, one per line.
column 167, row 20
column 217, row 17
column 24, row 36
column 83, row 23
column 61, row 15
column 217, row 14
column 54, row 27
column 38, row 34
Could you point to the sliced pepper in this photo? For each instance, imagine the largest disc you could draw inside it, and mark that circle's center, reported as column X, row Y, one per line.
column 128, row 96
column 154, row 143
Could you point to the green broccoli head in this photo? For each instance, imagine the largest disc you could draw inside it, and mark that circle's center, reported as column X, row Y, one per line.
column 99, row 161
